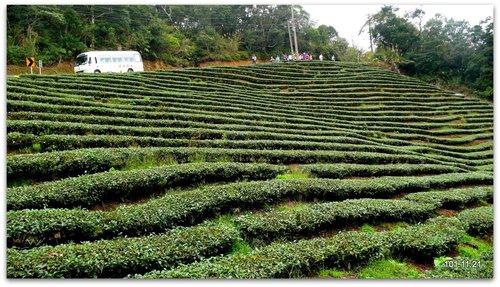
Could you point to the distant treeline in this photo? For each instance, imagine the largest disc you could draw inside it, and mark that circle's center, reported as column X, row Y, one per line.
column 178, row 35
column 440, row 50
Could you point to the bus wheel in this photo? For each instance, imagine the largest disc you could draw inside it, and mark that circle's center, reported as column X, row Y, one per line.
column 97, row 71
column 130, row 70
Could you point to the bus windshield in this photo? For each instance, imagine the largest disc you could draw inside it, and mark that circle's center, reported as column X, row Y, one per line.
column 82, row 59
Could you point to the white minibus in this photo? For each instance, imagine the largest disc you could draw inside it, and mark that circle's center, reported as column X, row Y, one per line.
column 109, row 61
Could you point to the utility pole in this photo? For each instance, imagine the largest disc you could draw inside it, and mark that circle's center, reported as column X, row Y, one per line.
column 92, row 22
column 370, row 33
column 290, row 37
column 295, row 36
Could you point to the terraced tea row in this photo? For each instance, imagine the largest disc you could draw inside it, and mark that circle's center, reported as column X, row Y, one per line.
column 193, row 206
column 283, row 260
column 130, row 255
column 261, row 171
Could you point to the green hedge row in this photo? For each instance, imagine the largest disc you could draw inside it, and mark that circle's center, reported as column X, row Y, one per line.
column 452, row 141
column 310, row 218
column 117, row 258
column 162, row 90
column 115, row 186
column 342, row 170
column 479, row 151
column 305, row 257
column 76, row 162
column 255, row 74
column 305, row 130
column 152, row 87
column 264, row 111
column 478, row 220
column 203, row 121
column 187, row 115
column 308, row 104
column 456, row 198
column 53, row 142
column 352, row 137
column 269, row 109
column 51, row 127
column 296, row 123
column 31, row 227
column 256, row 77
column 202, row 83
column 47, row 143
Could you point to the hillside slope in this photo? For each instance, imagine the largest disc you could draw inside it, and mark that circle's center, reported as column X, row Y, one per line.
column 242, row 161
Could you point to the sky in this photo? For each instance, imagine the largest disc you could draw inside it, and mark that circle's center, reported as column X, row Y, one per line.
column 348, row 19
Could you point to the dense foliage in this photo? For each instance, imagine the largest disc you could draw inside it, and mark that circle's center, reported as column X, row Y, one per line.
column 302, row 258
column 442, row 49
column 177, row 35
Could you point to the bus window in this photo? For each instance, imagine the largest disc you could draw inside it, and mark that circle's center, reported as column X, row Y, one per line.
column 117, row 59
column 80, row 60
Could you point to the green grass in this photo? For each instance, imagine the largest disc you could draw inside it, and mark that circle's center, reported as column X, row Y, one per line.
column 332, row 273
column 291, row 206
column 394, row 226
column 367, row 228
column 388, row 269
column 240, row 246
column 197, row 158
column 473, row 247
column 293, row 175
column 225, row 220
column 36, row 147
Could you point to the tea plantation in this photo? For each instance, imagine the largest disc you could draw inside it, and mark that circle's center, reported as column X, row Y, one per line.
column 312, row 169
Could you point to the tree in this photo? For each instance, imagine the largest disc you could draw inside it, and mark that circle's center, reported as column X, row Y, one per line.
column 391, row 31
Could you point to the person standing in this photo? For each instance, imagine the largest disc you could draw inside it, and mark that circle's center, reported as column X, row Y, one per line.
column 277, row 58
column 333, row 57
column 254, row 59
column 320, row 57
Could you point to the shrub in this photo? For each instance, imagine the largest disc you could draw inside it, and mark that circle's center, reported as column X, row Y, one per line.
column 191, row 207
column 305, row 257
column 119, row 257
column 477, row 221
column 308, row 220
column 89, row 190
column 455, row 198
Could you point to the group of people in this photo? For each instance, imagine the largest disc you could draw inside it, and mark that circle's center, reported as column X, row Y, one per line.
column 287, row 58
